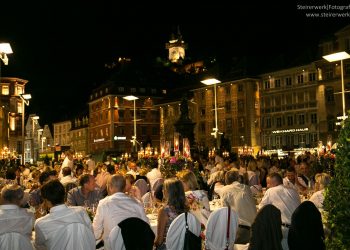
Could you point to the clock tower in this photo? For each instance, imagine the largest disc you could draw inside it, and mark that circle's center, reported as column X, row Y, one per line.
column 176, row 47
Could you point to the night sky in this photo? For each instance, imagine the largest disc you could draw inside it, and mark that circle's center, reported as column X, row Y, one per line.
column 61, row 48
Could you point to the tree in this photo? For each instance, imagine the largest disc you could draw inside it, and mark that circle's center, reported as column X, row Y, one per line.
column 337, row 197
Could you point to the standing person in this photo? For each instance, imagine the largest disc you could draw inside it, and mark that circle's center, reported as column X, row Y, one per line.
column 12, row 217
column 51, row 226
column 67, row 162
column 306, row 230
column 91, row 164
column 175, row 204
column 115, row 208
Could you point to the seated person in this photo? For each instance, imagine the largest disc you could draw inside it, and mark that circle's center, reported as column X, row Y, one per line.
column 86, row 194
column 12, row 217
column 48, row 227
column 67, row 176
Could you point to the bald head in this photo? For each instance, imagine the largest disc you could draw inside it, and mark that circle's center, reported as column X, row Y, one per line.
column 12, row 194
column 116, row 183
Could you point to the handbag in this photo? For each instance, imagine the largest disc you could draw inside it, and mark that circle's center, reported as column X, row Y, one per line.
column 192, row 241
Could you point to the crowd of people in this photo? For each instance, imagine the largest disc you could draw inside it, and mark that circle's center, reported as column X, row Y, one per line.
column 276, row 208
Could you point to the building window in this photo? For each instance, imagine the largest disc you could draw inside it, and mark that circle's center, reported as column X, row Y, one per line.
column 301, row 119
column 279, row 122
column 228, row 106
column 202, row 127
column 290, row 120
column 312, row 77
column 133, row 90
column 277, row 83
column 5, row 90
column 314, row 118
column 268, row 122
column 300, row 78
column 240, row 87
column 154, row 91
column 144, row 130
column 328, row 73
column 120, row 89
column 203, row 95
column 19, row 107
column 228, row 125
column 288, row 81
column 155, row 130
column 240, row 105
column 228, row 90
column 266, row 84
column 202, row 111
column 142, row 90
column 19, row 90
column 12, row 123
column 329, row 95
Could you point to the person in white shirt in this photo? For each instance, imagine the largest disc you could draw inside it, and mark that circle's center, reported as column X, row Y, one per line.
column 67, row 162
column 115, row 208
column 91, row 164
column 293, row 181
column 240, row 198
column 133, row 170
column 51, row 229
column 12, row 217
column 285, row 199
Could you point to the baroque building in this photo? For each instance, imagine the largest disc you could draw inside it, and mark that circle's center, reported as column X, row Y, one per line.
column 12, row 114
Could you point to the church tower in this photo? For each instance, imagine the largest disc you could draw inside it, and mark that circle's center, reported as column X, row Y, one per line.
column 176, row 47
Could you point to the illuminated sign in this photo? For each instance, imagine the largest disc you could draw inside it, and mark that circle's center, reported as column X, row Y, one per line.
column 292, row 130
column 99, row 140
column 118, row 138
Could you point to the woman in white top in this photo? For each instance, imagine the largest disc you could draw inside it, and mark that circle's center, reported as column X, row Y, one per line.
column 197, row 199
column 322, row 180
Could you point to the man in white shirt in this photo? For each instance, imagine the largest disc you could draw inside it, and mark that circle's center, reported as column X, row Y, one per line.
column 67, row 162
column 240, row 198
column 12, row 217
column 91, row 164
column 53, row 230
column 293, row 181
column 115, row 208
column 133, row 170
column 285, row 199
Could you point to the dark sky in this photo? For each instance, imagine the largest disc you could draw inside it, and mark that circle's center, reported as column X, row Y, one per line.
column 61, row 47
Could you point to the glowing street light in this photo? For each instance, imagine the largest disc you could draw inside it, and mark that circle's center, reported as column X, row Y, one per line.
column 5, row 48
column 340, row 56
column 133, row 98
column 25, row 101
column 213, row 81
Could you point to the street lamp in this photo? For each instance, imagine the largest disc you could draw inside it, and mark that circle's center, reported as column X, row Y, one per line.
column 25, row 101
column 213, row 81
column 133, row 98
column 34, row 119
column 340, row 56
column 40, row 132
column 5, row 48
